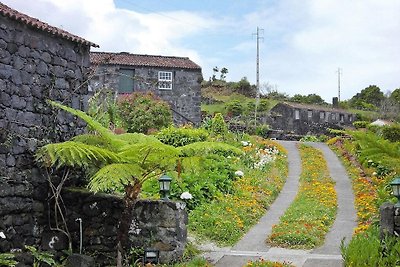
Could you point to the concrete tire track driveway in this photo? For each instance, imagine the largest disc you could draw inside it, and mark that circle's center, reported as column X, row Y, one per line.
column 252, row 246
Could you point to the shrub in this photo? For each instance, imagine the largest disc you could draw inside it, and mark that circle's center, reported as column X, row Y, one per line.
column 366, row 249
column 263, row 105
column 391, row 133
column 181, row 136
column 262, row 130
column 218, row 125
column 360, row 124
column 141, row 112
column 234, row 107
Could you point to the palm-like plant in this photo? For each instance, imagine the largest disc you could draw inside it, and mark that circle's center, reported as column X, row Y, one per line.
column 378, row 149
column 112, row 162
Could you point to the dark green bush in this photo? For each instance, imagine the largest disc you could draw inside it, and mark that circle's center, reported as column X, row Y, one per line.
column 360, row 124
column 141, row 112
column 234, row 107
column 262, row 130
column 181, row 136
column 391, row 133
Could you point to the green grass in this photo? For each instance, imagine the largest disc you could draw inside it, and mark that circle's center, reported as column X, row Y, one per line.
column 366, row 249
column 309, row 217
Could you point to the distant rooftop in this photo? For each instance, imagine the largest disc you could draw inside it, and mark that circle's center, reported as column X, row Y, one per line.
column 127, row 59
column 34, row 23
column 314, row 107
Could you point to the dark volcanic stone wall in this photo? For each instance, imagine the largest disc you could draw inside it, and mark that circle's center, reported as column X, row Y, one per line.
column 34, row 66
column 155, row 224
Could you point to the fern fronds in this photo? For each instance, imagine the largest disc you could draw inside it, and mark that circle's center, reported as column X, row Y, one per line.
column 74, row 154
column 93, row 124
column 377, row 149
column 112, row 176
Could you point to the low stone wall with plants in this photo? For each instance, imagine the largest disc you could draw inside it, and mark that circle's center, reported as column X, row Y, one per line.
column 155, row 224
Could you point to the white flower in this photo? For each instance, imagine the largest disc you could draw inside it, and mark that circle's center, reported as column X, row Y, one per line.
column 245, row 143
column 374, row 174
column 2, row 235
column 239, row 173
column 186, row 195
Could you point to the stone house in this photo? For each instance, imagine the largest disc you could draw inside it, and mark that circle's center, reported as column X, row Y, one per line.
column 175, row 79
column 304, row 119
column 37, row 62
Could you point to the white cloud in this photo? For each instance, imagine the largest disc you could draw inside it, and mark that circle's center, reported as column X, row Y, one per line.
column 304, row 41
column 116, row 29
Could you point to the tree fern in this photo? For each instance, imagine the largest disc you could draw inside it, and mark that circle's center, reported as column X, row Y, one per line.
column 114, row 177
column 377, row 149
column 74, row 154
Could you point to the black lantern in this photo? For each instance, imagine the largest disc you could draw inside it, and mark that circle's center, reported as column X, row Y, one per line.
column 396, row 190
column 165, row 182
column 151, row 255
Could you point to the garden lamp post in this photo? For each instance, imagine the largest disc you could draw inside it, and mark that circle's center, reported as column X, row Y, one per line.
column 396, row 190
column 165, row 182
column 151, row 255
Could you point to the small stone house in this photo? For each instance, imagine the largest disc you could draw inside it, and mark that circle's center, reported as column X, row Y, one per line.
column 175, row 79
column 304, row 119
column 37, row 62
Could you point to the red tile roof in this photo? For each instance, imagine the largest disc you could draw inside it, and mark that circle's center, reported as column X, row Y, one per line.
column 13, row 14
column 128, row 59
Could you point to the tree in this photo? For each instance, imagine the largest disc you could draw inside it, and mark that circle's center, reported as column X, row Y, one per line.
column 215, row 71
column 395, row 96
column 370, row 95
column 112, row 162
column 224, row 71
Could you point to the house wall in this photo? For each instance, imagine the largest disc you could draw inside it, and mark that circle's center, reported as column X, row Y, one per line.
column 282, row 117
column 184, row 98
column 34, row 66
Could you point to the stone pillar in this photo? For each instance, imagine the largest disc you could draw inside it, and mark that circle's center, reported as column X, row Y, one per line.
column 387, row 219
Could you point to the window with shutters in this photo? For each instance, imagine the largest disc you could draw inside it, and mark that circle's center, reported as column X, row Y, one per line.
column 126, row 81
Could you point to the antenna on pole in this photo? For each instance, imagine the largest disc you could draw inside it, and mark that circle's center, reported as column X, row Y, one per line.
column 339, row 72
column 258, row 37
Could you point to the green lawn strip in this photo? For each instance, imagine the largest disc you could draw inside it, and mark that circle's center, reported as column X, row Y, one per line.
column 225, row 219
column 267, row 263
column 308, row 219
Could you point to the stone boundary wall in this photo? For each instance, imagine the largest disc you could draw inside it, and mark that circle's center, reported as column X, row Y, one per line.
column 34, row 66
column 155, row 224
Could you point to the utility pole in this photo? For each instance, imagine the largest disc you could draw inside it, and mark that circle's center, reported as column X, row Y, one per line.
column 339, row 72
column 258, row 37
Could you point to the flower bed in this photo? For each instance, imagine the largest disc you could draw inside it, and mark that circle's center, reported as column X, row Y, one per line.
column 308, row 219
column 225, row 219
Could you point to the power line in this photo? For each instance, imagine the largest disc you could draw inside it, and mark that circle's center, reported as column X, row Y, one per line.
column 130, row 3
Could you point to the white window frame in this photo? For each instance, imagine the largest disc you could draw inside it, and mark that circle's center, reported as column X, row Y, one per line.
column 165, row 80
column 309, row 113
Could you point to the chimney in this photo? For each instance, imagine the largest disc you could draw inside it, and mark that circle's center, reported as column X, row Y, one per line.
column 335, row 102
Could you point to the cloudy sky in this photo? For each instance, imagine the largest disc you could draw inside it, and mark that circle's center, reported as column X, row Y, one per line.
column 304, row 41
